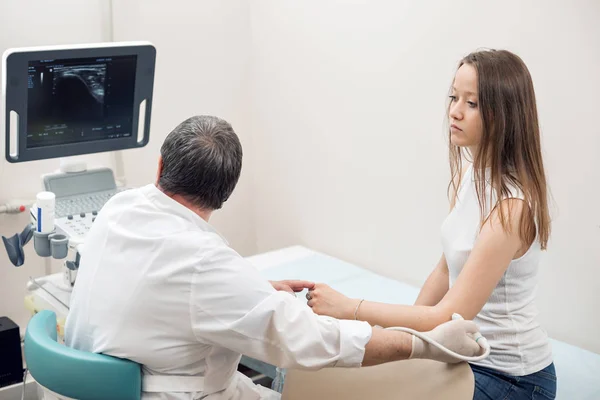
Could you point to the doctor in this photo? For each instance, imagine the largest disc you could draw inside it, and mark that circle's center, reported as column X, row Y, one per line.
column 159, row 286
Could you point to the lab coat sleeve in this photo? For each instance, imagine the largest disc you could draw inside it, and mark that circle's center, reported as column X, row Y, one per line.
column 233, row 306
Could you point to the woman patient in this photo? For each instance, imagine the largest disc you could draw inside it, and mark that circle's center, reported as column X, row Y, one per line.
column 492, row 238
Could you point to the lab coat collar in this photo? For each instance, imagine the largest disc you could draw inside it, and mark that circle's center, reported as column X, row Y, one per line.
column 164, row 202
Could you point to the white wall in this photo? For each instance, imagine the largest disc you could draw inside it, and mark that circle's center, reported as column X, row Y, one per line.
column 347, row 117
column 203, row 50
column 33, row 23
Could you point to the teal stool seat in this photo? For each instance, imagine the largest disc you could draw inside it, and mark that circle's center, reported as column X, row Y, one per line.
column 77, row 374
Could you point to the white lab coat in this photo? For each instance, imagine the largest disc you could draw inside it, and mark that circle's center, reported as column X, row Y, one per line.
column 159, row 286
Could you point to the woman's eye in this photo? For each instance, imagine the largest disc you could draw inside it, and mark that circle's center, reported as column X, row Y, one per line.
column 472, row 104
column 452, row 98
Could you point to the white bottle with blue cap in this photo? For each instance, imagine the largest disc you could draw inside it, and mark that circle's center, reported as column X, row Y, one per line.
column 45, row 202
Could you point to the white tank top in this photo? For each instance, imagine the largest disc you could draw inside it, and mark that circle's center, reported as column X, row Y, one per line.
column 519, row 346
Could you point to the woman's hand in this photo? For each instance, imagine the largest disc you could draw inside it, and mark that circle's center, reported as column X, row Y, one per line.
column 327, row 301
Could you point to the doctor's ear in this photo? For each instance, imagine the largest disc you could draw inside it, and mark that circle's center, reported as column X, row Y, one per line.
column 159, row 170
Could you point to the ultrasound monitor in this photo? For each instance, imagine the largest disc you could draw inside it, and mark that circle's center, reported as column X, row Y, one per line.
column 72, row 100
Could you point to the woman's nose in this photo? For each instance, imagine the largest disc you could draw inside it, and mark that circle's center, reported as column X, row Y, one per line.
column 455, row 112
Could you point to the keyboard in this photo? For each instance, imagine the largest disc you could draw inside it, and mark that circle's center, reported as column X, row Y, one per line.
column 75, row 215
column 87, row 203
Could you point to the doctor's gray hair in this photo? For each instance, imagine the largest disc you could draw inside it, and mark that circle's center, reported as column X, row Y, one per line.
column 202, row 161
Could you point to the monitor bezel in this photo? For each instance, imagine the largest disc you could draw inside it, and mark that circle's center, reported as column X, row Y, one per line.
column 14, row 89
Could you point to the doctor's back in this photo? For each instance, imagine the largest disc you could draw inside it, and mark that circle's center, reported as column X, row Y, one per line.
column 134, row 291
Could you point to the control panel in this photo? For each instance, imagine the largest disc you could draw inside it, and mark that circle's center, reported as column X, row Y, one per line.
column 76, row 225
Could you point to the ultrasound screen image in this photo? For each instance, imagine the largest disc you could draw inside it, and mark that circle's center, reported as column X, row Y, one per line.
column 80, row 100
column 79, row 92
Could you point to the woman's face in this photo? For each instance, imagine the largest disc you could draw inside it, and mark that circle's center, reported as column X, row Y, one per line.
column 466, row 127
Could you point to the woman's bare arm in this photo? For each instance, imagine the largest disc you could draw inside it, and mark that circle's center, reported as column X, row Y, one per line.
column 489, row 259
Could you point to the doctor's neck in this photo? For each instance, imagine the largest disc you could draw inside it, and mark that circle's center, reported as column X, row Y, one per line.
column 201, row 212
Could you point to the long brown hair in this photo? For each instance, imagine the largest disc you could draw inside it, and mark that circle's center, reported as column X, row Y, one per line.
column 510, row 144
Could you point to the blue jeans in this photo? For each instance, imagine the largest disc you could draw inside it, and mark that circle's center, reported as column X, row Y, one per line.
column 494, row 385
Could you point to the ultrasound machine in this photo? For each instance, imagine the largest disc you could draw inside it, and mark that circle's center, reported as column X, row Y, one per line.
column 66, row 101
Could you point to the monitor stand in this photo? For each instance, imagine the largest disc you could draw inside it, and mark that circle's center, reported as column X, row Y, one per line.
column 72, row 164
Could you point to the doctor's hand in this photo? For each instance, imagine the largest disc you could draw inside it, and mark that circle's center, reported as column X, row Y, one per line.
column 454, row 335
column 292, row 286
column 327, row 301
